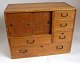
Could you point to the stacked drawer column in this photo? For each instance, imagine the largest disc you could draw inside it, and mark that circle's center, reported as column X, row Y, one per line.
column 62, row 27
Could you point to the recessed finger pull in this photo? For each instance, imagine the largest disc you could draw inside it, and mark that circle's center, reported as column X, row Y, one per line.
column 30, row 42
column 41, row 46
column 63, row 25
column 29, row 24
column 11, row 25
column 49, row 22
column 23, row 50
column 59, row 47
column 64, row 14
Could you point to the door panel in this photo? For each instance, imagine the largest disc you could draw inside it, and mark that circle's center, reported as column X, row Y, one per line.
column 18, row 24
column 41, row 22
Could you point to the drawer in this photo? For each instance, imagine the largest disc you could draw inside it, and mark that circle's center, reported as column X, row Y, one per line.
column 64, row 15
column 62, row 47
column 40, row 50
column 61, row 25
column 62, row 36
column 29, row 40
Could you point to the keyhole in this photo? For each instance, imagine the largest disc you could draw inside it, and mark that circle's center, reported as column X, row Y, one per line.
column 41, row 46
column 62, row 33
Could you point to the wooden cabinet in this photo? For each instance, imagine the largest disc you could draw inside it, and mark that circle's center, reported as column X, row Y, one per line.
column 38, row 29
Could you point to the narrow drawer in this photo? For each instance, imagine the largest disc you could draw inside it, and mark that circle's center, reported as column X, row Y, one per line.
column 64, row 15
column 62, row 36
column 40, row 50
column 29, row 40
column 61, row 25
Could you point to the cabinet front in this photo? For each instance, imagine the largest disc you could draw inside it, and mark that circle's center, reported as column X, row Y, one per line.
column 25, row 24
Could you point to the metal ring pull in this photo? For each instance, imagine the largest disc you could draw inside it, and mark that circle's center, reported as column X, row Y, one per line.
column 62, row 37
column 59, row 47
column 23, row 50
column 64, row 14
column 63, row 25
column 30, row 42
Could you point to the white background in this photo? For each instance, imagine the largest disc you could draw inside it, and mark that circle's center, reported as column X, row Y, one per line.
column 72, row 57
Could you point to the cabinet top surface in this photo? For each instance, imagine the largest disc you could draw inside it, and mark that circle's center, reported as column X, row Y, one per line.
column 36, row 7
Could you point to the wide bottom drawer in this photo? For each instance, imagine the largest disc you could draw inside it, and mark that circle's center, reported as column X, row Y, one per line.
column 40, row 50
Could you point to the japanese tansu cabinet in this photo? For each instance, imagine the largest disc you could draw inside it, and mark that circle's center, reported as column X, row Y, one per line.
column 38, row 29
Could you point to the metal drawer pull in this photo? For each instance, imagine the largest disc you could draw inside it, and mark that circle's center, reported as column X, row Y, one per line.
column 30, row 42
column 64, row 15
column 23, row 51
column 62, row 37
column 63, row 25
column 59, row 47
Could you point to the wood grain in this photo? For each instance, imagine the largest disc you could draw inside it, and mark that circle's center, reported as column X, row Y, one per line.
column 64, row 15
column 62, row 36
column 38, row 29
column 40, row 50
column 38, row 7
column 20, row 21
column 30, row 40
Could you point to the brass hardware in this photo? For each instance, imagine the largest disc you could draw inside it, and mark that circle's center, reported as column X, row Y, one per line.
column 64, row 15
column 30, row 42
column 63, row 25
column 59, row 47
column 23, row 51
column 62, row 37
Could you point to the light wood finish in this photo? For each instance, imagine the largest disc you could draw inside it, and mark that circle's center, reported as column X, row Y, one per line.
column 40, row 50
column 62, row 36
column 29, row 40
column 20, row 21
column 37, row 7
column 28, row 23
column 38, row 26
column 61, row 25
column 37, row 29
column 64, row 15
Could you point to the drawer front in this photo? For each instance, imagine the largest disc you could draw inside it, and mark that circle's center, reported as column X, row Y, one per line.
column 40, row 50
column 30, row 40
column 62, row 36
column 64, row 15
column 18, row 24
column 61, row 25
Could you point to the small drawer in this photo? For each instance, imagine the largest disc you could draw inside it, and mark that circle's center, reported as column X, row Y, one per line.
column 62, row 36
column 40, row 50
column 29, row 40
column 61, row 25
column 64, row 15
column 62, row 47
